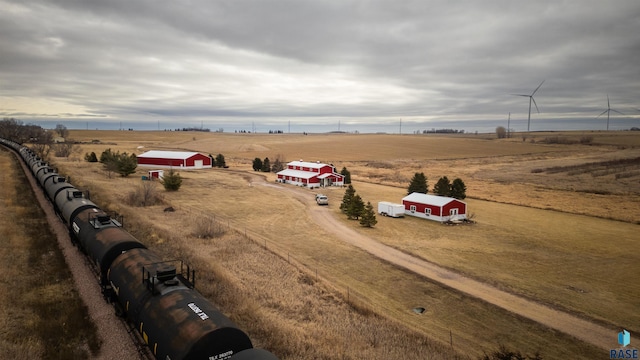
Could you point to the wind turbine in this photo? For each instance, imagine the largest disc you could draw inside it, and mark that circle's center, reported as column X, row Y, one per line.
column 608, row 111
column 530, row 100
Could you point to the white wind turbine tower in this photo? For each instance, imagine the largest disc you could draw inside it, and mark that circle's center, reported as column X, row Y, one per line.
column 608, row 111
column 530, row 100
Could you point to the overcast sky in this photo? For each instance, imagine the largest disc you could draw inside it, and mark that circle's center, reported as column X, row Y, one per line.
column 349, row 61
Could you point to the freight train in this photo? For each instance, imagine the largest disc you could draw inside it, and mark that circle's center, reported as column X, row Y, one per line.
column 156, row 297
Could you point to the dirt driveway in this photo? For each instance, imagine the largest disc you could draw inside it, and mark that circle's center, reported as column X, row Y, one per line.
column 582, row 329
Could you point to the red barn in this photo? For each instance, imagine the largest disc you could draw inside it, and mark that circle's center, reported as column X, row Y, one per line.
column 174, row 159
column 433, row 207
column 310, row 174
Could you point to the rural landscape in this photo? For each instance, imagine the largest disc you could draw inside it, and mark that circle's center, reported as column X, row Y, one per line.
column 554, row 221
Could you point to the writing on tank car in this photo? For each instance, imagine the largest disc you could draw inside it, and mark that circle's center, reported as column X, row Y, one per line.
column 175, row 320
column 103, row 239
column 254, row 354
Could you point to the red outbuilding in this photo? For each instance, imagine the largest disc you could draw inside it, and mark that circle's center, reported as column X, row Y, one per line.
column 174, row 159
column 310, row 174
column 433, row 207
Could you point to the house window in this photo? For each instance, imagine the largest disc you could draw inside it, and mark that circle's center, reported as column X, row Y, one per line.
column 412, row 208
column 453, row 212
column 427, row 212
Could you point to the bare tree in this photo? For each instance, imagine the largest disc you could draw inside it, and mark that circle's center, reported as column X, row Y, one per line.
column 145, row 194
column 62, row 131
column 63, row 149
column 42, row 150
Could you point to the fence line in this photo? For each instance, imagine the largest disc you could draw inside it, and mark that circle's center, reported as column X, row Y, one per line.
column 354, row 299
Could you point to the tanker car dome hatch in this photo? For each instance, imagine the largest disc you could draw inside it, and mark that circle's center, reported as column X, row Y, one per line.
column 102, row 220
column 59, row 179
column 165, row 273
column 77, row 194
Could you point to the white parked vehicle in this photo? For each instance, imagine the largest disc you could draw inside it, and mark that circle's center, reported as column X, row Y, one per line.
column 386, row 208
column 322, row 199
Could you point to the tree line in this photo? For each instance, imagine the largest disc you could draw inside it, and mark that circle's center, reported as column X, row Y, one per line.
column 456, row 189
column 266, row 166
column 41, row 141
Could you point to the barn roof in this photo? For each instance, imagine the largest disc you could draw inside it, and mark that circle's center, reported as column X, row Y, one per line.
column 167, row 154
column 429, row 199
column 297, row 173
column 307, row 164
column 326, row 175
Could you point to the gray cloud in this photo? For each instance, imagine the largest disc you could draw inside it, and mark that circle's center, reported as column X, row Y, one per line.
column 203, row 60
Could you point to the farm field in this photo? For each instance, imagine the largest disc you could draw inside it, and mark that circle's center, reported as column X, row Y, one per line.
column 571, row 245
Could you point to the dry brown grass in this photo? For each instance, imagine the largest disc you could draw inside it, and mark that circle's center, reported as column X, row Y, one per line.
column 496, row 170
column 42, row 316
column 573, row 262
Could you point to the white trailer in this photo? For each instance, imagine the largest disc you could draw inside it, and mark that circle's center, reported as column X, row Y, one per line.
column 386, row 208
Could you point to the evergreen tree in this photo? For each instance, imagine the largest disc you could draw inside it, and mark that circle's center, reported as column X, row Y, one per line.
column 91, row 157
column 356, row 207
column 106, row 156
column 127, row 164
column 418, row 184
column 257, row 164
column 458, row 189
column 124, row 164
column 347, row 175
column 171, row 181
column 109, row 162
column 347, row 198
column 442, row 187
column 220, row 161
column 368, row 217
column 266, row 165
